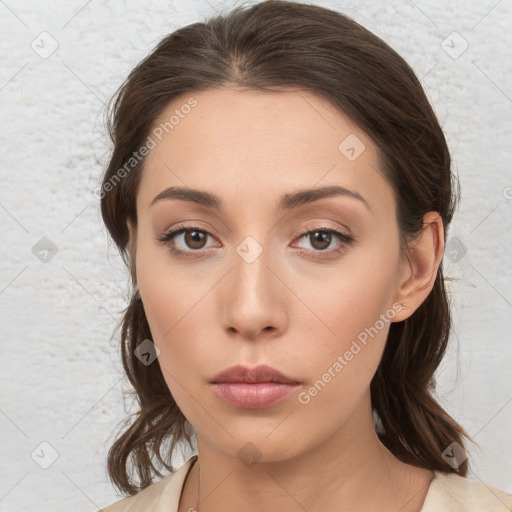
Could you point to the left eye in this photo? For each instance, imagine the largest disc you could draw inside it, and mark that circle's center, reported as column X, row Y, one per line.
column 321, row 239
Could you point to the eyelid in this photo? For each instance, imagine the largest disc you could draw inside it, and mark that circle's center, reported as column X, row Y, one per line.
column 324, row 226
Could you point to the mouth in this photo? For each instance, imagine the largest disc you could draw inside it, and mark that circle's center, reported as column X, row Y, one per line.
column 260, row 374
column 253, row 396
column 256, row 388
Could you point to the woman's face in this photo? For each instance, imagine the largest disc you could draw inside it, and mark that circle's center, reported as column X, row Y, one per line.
column 248, row 286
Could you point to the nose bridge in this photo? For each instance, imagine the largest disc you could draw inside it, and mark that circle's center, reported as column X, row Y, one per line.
column 253, row 297
column 253, row 253
column 252, row 277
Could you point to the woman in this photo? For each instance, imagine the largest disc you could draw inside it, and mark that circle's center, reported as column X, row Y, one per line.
column 281, row 190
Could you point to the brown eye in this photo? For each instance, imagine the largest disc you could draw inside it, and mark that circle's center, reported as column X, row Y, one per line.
column 186, row 241
column 325, row 242
column 195, row 239
column 320, row 240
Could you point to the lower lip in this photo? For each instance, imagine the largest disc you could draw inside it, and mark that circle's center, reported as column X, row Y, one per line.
column 253, row 396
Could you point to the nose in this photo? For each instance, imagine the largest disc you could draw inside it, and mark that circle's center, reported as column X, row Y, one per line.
column 252, row 303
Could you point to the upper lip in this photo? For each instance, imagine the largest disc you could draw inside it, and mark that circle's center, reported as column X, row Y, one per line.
column 261, row 373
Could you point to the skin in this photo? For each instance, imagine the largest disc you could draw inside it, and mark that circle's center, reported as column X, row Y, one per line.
column 287, row 308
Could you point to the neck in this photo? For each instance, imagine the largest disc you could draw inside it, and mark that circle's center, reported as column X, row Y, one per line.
column 350, row 470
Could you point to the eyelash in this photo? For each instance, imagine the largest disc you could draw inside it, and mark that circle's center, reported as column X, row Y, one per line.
column 168, row 237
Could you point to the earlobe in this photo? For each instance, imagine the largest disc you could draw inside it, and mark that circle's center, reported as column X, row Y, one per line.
column 425, row 256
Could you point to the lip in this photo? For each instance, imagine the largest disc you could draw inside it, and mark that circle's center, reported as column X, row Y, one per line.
column 253, row 396
column 253, row 388
column 258, row 374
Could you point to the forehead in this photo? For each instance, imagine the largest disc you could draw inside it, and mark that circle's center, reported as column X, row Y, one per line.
column 242, row 142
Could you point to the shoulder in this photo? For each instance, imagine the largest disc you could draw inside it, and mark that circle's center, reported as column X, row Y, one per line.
column 453, row 493
column 160, row 496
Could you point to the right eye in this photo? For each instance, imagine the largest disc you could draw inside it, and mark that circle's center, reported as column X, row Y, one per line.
column 194, row 239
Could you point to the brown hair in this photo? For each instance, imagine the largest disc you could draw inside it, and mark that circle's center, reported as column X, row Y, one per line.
column 268, row 46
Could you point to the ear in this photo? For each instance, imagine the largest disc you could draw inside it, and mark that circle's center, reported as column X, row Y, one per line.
column 419, row 270
column 131, row 247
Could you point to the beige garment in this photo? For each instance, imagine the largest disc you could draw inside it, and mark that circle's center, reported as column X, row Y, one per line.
column 448, row 492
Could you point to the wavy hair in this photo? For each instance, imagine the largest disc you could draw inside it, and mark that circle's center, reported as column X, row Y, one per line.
column 269, row 46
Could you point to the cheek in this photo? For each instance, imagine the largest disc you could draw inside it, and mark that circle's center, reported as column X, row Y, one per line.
column 170, row 302
column 356, row 330
column 352, row 315
column 168, row 290
column 170, row 314
column 177, row 307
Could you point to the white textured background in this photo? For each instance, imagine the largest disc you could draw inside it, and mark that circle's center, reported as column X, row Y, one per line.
column 60, row 372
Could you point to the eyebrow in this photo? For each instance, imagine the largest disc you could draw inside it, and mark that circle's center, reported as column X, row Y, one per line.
column 286, row 202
